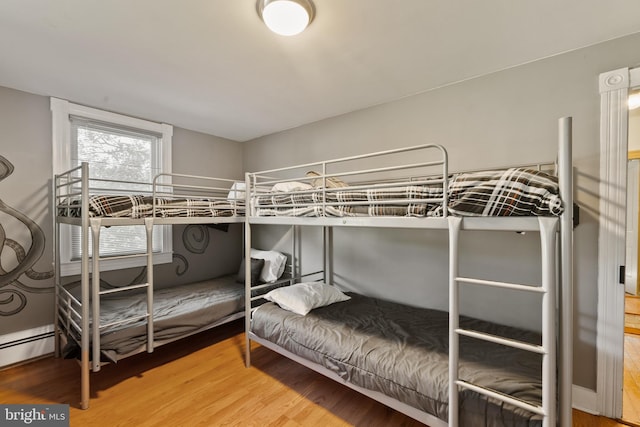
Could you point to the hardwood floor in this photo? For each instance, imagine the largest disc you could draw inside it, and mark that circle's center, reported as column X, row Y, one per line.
column 632, row 314
column 202, row 381
column 631, row 386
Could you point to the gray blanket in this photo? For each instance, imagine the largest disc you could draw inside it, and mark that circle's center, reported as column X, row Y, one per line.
column 402, row 352
column 178, row 311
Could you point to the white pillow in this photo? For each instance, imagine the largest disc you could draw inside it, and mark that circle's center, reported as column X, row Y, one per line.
column 291, row 186
column 237, row 192
column 274, row 264
column 304, row 297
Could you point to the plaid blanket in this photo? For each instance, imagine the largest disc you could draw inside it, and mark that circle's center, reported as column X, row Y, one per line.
column 510, row 192
column 412, row 200
column 138, row 206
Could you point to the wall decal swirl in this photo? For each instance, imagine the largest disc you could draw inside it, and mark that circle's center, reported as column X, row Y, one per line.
column 180, row 270
column 195, row 238
column 13, row 300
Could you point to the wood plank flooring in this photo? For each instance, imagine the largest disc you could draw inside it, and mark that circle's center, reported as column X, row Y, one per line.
column 202, row 381
column 631, row 386
column 632, row 314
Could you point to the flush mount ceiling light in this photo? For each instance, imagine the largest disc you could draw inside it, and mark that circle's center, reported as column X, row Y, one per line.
column 286, row 17
column 634, row 101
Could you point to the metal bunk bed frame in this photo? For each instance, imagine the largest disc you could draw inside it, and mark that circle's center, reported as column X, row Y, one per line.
column 556, row 312
column 76, row 315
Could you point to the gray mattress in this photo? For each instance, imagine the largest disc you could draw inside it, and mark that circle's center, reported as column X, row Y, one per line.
column 178, row 311
column 402, row 352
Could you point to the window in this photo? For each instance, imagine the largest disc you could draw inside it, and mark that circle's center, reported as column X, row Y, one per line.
column 119, row 148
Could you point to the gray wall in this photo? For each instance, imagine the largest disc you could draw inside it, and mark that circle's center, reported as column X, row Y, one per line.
column 509, row 117
column 25, row 142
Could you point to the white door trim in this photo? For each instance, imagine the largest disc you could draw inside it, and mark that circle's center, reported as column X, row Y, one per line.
column 614, row 91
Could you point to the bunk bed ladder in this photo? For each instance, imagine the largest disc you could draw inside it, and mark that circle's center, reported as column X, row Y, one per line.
column 547, row 227
column 97, row 293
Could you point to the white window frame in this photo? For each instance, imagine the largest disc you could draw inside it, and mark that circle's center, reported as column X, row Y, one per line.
column 61, row 111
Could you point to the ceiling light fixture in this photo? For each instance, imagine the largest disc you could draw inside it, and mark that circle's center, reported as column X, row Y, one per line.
column 634, row 101
column 286, row 17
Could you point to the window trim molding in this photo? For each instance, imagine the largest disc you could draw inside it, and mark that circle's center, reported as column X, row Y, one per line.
column 61, row 158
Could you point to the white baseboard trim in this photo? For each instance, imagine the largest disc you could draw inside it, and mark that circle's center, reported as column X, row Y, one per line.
column 585, row 400
column 24, row 345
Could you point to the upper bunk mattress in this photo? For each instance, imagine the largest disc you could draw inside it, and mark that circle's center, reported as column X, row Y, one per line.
column 139, row 206
column 511, row 192
column 402, row 352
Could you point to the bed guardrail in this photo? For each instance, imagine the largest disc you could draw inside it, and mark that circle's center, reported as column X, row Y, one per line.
column 324, row 180
column 170, row 194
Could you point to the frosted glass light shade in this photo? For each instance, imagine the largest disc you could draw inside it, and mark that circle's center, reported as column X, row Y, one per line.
column 634, row 101
column 286, row 17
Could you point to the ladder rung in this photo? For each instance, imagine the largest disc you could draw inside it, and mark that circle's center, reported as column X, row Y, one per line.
column 507, row 285
column 124, row 288
column 128, row 320
column 502, row 397
column 504, row 341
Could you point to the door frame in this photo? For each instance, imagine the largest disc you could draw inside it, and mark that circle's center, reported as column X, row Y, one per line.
column 614, row 115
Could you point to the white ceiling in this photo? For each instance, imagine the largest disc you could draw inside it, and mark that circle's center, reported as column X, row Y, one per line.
column 212, row 66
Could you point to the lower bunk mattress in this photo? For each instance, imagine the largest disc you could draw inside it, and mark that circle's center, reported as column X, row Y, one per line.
column 178, row 311
column 402, row 352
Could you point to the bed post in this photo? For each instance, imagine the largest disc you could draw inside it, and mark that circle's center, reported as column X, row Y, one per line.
column 565, row 180
column 247, row 271
column 454, row 318
column 95, row 292
column 295, row 235
column 56, row 269
column 548, row 229
column 148, row 225
column 84, row 290
column 327, row 254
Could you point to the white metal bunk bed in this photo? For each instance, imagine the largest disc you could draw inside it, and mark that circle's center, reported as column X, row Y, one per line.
column 90, row 317
column 328, row 204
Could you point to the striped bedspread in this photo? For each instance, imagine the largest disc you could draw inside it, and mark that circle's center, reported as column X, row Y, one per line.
column 138, row 206
column 510, row 192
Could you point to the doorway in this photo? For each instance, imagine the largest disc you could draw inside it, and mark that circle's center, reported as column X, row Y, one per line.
column 631, row 376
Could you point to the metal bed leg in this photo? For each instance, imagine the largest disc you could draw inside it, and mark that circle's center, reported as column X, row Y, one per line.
column 548, row 227
column 247, row 293
column 84, row 380
column 454, row 318
column 56, row 277
column 148, row 225
column 95, row 294
column 85, row 298
column 565, row 180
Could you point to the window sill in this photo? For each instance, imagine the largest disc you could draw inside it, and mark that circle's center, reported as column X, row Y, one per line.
column 73, row 268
